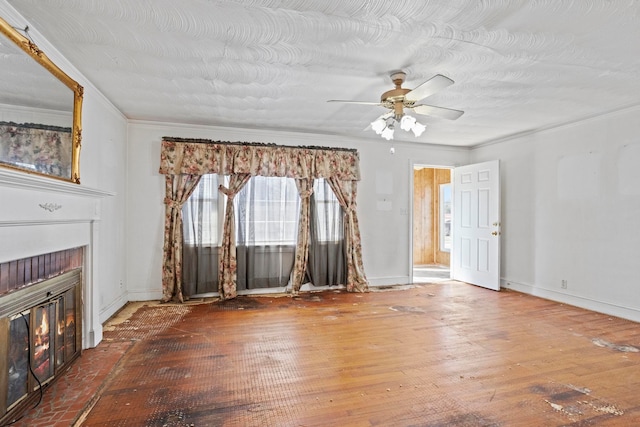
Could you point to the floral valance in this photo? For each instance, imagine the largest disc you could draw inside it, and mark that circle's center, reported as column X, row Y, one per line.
column 200, row 157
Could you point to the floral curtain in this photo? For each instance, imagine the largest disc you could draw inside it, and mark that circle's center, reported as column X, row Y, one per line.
column 228, row 262
column 184, row 160
column 41, row 148
column 178, row 188
column 200, row 157
column 346, row 192
column 305, row 189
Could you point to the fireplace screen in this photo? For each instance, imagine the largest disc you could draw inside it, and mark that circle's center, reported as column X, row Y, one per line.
column 65, row 328
column 18, row 374
column 42, row 340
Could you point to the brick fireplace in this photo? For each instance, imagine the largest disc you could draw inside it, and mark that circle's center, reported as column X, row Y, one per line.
column 40, row 325
column 52, row 225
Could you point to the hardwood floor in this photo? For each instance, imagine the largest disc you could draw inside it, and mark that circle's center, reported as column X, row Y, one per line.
column 446, row 354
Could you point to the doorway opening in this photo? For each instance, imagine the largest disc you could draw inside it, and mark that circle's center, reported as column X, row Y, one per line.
column 432, row 201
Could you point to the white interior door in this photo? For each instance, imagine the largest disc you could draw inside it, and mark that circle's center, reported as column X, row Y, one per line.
column 475, row 256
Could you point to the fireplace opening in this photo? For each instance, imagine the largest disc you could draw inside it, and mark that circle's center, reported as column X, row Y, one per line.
column 41, row 324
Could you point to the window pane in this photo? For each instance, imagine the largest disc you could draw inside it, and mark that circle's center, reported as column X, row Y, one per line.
column 267, row 210
column 328, row 213
column 201, row 216
column 445, row 217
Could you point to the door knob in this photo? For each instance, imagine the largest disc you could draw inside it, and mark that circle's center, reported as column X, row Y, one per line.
column 495, row 233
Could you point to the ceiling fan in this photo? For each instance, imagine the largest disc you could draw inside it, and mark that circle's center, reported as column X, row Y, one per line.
column 399, row 99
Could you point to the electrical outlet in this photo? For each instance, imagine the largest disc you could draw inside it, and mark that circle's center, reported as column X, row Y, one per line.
column 563, row 284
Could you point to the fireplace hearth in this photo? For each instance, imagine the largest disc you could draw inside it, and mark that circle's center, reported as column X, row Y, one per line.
column 41, row 326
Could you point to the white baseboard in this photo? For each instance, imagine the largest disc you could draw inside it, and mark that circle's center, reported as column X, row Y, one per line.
column 144, row 295
column 111, row 309
column 564, row 297
column 387, row 281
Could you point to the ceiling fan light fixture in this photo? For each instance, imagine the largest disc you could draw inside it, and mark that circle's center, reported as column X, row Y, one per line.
column 387, row 133
column 418, row 128
column 407, row 122
column 378, row 125
column 399, row 99
column 385, row 127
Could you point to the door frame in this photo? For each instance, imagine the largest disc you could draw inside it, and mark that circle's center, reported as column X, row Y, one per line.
column 412, row 165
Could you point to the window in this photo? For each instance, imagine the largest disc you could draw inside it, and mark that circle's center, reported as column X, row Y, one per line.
column 327, row 213
column 267, row 210
column 445, row 217
column 203, row 213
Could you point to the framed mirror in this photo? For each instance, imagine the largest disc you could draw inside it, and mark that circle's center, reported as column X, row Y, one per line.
column 40, row 110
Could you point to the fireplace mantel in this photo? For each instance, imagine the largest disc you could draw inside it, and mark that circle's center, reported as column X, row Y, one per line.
column 21, row 180
column 41, row 215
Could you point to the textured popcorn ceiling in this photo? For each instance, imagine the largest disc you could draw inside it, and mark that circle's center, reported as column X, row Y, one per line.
column 518, row 65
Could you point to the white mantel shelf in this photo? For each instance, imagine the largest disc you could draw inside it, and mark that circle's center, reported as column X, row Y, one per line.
column 22, row 180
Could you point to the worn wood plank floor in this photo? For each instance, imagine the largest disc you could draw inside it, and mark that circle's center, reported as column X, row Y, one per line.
column 446, row 354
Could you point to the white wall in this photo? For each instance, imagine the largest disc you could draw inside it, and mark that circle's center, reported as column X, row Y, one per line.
column 571, row 211
column 102, row 167
column 385, row 233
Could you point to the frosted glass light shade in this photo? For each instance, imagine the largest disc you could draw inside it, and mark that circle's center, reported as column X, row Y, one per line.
column 418, row 128
column 378, row 126
column 407, row 122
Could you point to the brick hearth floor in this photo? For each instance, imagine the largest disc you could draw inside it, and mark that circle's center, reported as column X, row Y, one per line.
column 66, row 400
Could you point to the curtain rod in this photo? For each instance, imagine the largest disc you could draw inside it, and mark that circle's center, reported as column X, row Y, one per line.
column 253, row 144
column 37, row 126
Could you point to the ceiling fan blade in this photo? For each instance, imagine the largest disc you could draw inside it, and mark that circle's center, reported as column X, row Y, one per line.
column 431, row 86
column 430, row 110
column 355, row 102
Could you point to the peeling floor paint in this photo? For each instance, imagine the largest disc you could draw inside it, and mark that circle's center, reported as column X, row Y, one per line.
column 406, row 309
column 582, row 390
column 569, row 410
column 618, row 347
column 575, row 411
column 607, row 409
column 576, row 402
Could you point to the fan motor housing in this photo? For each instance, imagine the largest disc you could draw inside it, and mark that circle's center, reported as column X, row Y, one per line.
column 394, row 95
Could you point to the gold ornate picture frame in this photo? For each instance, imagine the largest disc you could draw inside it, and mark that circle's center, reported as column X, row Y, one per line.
column 40, row 111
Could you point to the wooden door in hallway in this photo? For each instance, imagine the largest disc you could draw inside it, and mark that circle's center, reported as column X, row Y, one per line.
column 431, row 216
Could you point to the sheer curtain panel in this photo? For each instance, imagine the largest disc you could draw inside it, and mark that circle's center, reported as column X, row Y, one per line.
column 267, row 222
column 326, row 250
column 202, row 222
